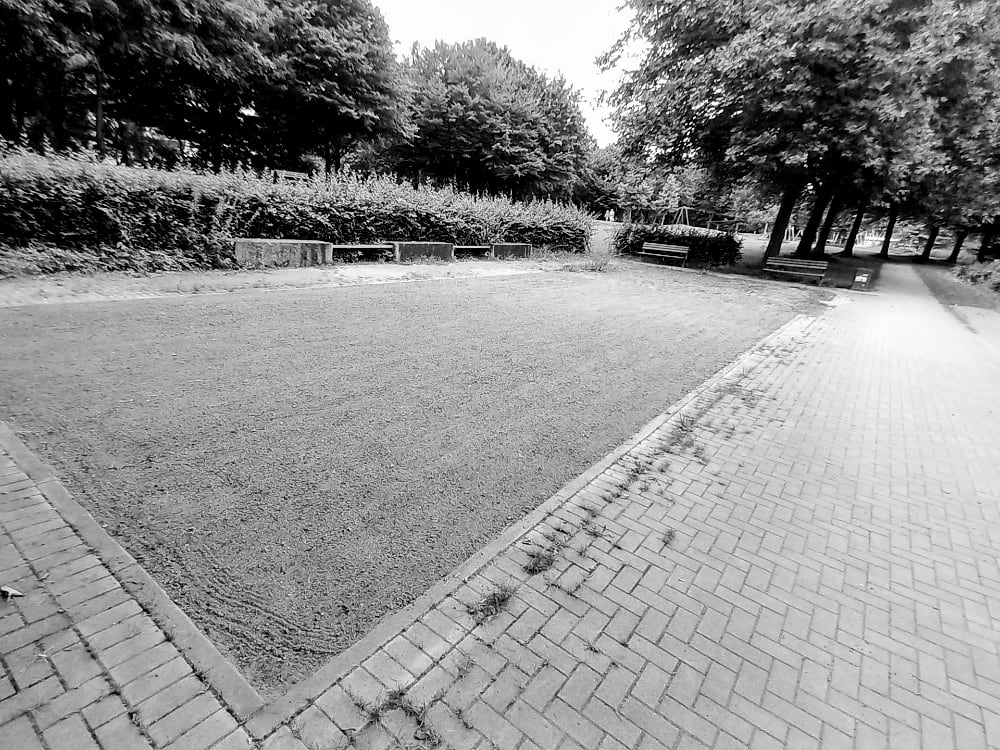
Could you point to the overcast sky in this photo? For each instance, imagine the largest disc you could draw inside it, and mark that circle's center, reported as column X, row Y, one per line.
column 555, row 36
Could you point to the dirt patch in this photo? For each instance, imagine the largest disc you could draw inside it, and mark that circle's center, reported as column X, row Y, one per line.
column 292, row 466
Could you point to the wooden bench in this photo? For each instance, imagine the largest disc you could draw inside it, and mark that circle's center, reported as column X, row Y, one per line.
column 665, row 252
column 812, row 269
column 289, row 176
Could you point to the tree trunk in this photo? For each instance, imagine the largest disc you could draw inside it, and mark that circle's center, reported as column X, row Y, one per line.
column 823, row 196
column 788, row 200
column 933, row 230
column 988, row 232
column 893, row 215
column 852, row 236
column 99, row 112
column 8, row 108
column 960, row 235
column 824, row 234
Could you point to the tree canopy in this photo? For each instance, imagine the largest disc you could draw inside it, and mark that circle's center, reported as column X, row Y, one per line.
column 255, row 82
column 482, row 119
column 282, row 84
column 889, row 100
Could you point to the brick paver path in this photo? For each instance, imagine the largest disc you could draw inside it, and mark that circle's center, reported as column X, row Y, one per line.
column 804, row 554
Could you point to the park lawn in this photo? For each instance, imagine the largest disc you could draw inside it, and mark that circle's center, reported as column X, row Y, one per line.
column 294, row 465
column 839, row 274
column 949, row 290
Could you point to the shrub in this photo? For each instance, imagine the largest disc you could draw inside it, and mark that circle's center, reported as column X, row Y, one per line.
column 65, row 214
column 980, row 273
column 706, row 246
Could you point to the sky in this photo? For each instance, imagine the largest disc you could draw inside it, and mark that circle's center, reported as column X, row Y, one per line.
column 554, row 36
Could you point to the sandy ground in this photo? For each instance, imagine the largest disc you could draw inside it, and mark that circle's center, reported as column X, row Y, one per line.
column 292, row 465
column 59, row 288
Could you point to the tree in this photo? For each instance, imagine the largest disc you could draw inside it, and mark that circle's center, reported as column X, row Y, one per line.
column 486, row 121
column 894, row 99
column 950, row 170
column 791, row 93
column 335, row 81
column 252, row 82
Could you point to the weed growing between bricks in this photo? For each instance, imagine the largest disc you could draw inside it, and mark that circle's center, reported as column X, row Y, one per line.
column 668, row 537
column 398, row 699
column 492, row 604
column 540, row 559
column 544, row 557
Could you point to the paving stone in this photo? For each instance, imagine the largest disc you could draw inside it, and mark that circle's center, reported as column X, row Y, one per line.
column 31, row 633
column 69, row 734
column 162, row 703
column 28, row 700
column 155, row 679
column 20, row 734
column 121, row 734
column 181, row 720
column 100, row 713
column 207, row 733
column 72, row 701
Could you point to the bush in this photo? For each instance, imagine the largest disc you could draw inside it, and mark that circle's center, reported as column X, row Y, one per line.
column 981, row 273
column 706, row 246
column 72, row 214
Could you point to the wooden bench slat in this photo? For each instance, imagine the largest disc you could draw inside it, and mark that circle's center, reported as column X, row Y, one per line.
column 799, row 265
column 810, row 269
column 665, row 251
column 649, row 246
column 795, row 273
column 362, row 247
column 796, row 262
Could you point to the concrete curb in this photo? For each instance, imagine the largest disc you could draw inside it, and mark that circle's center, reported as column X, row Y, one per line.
column 218, row 674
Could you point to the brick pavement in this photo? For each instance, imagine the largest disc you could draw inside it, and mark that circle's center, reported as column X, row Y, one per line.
column 803, row 554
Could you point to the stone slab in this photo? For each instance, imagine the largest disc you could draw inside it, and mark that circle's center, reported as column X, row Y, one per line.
column 410, row 251
column 282, row 253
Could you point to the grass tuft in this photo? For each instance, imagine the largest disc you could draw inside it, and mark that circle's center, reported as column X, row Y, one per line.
column 492, row 604
column 540, row 559
column 668, row 537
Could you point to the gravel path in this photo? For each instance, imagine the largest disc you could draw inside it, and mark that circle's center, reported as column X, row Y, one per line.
column 294, row 465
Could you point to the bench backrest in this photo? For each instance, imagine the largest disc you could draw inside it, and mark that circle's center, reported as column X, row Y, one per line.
column 665, row 248
column 284, row 174
column 797, row 263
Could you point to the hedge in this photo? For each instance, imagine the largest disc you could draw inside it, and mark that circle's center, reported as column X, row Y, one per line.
column 74, row 214
column 706, row 246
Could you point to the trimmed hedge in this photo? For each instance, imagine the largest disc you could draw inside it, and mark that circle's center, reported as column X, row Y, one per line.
column 706, row 246
column 71, row 214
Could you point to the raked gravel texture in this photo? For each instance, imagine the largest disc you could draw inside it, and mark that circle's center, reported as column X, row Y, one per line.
column 292, row 466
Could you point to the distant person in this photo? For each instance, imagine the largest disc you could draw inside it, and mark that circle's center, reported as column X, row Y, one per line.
column 609, row 215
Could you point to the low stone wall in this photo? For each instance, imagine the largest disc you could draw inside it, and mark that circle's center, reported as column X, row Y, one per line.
column 253, row 252
column 511, row 250
column 415, row 250
column 282, row 253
